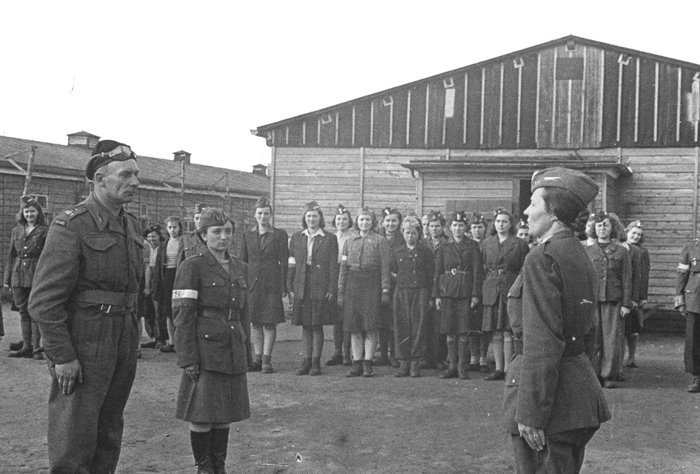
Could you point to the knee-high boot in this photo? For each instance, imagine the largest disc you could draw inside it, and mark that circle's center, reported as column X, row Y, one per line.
column 219, row 447
column 201, row 446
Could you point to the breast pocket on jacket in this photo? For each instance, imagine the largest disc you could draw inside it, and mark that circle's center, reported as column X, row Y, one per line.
column 213, row 290
column 96, row 252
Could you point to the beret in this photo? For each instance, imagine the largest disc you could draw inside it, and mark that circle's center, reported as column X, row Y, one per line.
column 577, row 183
column 198, row 208
column 212, row 216
column 28, row 201
column 263, row 201
column 106, row 152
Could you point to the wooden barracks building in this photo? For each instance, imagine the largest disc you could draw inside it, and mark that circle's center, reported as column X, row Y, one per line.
column 471, row 138
column 58, row 181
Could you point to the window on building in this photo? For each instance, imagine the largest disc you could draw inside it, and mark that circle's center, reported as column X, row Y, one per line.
column 144, row 209
column 188, row 226
column 42, row 199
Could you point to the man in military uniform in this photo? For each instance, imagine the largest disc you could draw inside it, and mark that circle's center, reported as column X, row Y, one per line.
column 688, row 302
column 84, row 299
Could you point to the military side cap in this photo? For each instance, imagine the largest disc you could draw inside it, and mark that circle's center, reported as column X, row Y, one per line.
column 342, row 209
column 477, row 218
column 366, row 211
column 28, row 201
column 311, row 206
column 263, row 201
column 411, row 221
column 577, row 183
column 213, row 217
column 198, row 208
column 106, row 152
column 460, row 216
column 436, row 216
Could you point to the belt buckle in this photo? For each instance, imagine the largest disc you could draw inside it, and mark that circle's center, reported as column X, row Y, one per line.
column 454, row 271
column 109, row 308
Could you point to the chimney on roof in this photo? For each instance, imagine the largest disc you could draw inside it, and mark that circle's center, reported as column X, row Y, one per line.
column 260, row 170
column 83, row 139
column 182, row 155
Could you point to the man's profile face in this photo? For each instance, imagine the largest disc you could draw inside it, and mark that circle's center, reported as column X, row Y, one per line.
column 119, row 180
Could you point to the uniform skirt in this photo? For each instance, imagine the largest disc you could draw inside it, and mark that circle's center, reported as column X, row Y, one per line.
column 308, row 311
column 266, row 306
column 496, row 317
column 633, row 322
column 214, row 398
column 363, row 297
column 457, row 317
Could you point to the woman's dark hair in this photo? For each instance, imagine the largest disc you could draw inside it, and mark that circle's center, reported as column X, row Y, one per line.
column 350, row 222
column 366, row 212
column 615, row 224
column 202, row 231
column 154, row 228
column 175, row 219
column 389, row 211
column 503, row 212
column 321, row 221
column 631, row 226
column 567, row 208
column 40, row 217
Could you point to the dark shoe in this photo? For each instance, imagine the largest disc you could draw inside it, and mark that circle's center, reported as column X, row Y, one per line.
column 219, row 447
column 451, row 373
column 496, row 375
column 404, row 369
column 160, row 344
column 337, row 359
column 463, row 372
column 394, row 363
column 381, row 361
column 367, row 368
column 168, row 348
column 356, row 370
column 473, row 367
column 621, row 377
column 267, row 365
column 39, row 356
column 148, row 345
column 415, row 369
column 484, row 369
column 255, row 366
column 201, row 447
column 347, row 361
column 305, row 367
column 440, row 365
column 26, row 352
column 695, row 386
column 15, row 346
column 315, row 366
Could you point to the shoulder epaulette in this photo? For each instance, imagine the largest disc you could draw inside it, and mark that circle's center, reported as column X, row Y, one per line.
column 72, row 212
column 194, row 256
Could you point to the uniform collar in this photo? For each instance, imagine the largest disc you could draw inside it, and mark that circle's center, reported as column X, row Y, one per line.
column 318, row 232
column 103, row 216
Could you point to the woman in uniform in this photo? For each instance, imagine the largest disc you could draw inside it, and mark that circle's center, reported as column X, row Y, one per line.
column 266, row 253
column 614, row 269
column 391, row 230
column 459, row 276
column 209, row 301
column 553, row 401
column 414, row 266
column 503, row 255
column 313, row 284
column 478, row 232
column 363, row 288
column 341, row 339
column 167, row 261
column 436, row 343
column 26, row 244
column 633, row 323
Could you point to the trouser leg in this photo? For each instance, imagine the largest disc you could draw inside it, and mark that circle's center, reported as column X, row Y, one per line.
column 20, row 296
column 692, row 344
column 563, row 453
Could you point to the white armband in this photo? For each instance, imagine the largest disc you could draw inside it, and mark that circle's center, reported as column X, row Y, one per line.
column 182, row 294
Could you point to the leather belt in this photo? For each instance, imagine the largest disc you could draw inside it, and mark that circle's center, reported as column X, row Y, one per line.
column 455, row 271
column 216, row 314
column 499, row 271
column 108, row 300
column 574, row 346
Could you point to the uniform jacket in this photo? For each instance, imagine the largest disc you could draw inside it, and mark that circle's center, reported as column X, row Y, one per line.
column 324, row 266
column 370, row 252
column 210, row 311
column 552, row 305
column 191, row 244
column 414, row 268
column 614, row 271
column 646, row 267
column 688, row 284
column 502, row 263
column 158, row 293
column 459, row 272
column 267, row 264
column 435, row 246
column 636, row 263
column 92, row 263
column 24, row 255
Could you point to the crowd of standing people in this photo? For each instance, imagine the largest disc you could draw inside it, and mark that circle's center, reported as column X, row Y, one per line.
column 401, row 291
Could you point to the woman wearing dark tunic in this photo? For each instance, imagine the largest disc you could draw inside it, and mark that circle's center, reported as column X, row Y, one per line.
column 553, row 401
column 167, row 261
column 612, row 263
column 363, row 287
column 209, row 300
column 478, row 232
column 391, row 230
column 313, row 279
column 634, row 323
column 503, row 255
column 414, row 266
column 147, row 310
column 27, row 243
column 457, row 283
column 436, row 344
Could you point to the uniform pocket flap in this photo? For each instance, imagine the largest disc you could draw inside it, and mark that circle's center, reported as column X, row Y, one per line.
column 99, row 243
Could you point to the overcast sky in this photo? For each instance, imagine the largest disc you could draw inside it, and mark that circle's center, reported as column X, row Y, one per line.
column 165, row 76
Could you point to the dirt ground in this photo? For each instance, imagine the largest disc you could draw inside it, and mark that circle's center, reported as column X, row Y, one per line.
column 334, row 424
